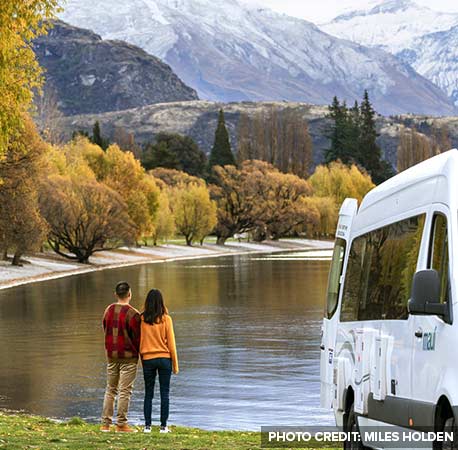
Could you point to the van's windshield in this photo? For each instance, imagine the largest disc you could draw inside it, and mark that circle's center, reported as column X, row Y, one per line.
column 335, row 273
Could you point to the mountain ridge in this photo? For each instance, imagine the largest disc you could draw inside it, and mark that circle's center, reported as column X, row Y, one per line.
column 231, row 52
column 411, row 32
column 92, row 75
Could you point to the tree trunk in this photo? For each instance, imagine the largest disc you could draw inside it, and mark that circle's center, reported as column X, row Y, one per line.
column 188, row 241
column 17, row 259
column 221, row 240
column 5, row 254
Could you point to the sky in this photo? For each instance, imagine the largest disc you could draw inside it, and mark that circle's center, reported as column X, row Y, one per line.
column 321, row 11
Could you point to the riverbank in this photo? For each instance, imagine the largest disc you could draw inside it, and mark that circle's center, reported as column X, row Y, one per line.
column 47, row 266
column 20, row 431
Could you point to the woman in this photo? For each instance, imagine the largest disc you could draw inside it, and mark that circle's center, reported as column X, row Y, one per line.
column 159, row 355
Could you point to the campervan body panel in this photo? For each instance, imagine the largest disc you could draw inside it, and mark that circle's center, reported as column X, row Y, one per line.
column 391, row 366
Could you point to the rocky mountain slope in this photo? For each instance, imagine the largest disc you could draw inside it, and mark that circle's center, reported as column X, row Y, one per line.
column 91, row 75
column 198, row 119
column 228, row 51
column 421, row 37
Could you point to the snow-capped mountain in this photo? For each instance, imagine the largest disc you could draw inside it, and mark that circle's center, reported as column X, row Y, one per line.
column 421, row 37
column 392, row 24
column 230, row 51
column 435, row 56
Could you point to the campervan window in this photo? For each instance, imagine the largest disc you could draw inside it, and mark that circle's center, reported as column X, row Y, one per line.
column 334, row 277
column 438, row 254
column 380, row 269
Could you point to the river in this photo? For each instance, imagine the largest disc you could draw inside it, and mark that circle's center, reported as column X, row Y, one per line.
column 247, row 329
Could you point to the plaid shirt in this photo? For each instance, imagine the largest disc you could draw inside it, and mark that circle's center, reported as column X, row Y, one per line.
column 121, row 324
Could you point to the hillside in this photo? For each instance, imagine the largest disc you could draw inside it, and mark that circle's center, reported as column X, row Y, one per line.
column 198, row 119
column 229, row 51
column 91, row 75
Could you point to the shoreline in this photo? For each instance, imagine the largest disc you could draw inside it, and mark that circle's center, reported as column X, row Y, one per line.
column 48, row 266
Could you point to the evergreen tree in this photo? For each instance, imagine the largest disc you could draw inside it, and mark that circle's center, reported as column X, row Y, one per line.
column 353, row 137
column 159, row 155
column 370, row 153
column 338, row 133
column 221, row 153
column 353, row 140
column 173, row 151
column 97, row 137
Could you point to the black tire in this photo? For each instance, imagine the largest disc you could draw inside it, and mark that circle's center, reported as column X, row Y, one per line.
column 352, row 427
column 449, row 426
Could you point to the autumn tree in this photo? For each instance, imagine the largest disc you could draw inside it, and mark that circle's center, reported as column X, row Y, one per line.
column 194, row 211
column 173, row 151
column 138, row 189
column 413, row 148
column 441, row 137
column 221, row 153
column 84, row 217
column 234, row 193
column 338, row 181
column 259, row 199
column 327, row 211
column 172, row 177
column 332, row 184
column 283, row 197
column 49, row 118
column 245, row 149
column 126, row 141
column 279, row 137
column 20, row 74
column 123, row 173
column 22, row 228
column 164, row 222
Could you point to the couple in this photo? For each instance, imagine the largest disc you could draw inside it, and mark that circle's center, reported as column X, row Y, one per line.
column 129, row 334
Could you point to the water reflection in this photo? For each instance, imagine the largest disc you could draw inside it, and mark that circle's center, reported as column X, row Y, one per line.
column 247, row 334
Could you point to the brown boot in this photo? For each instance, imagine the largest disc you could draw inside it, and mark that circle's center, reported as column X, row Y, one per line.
column 125, row 429
column 105, row 428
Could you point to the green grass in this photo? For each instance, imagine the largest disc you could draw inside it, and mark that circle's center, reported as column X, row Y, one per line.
column 21, row 431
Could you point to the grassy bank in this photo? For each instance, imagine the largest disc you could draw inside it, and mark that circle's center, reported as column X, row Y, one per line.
column 21, row 431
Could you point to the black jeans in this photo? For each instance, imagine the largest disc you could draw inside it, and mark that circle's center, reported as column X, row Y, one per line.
column 150, row 368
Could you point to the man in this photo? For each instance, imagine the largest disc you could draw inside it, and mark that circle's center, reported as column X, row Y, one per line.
column 121, row 323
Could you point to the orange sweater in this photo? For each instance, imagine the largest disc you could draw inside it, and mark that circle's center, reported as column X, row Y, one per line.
column 158, row 341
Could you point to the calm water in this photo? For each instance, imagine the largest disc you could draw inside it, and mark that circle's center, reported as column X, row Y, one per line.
column 247, row 332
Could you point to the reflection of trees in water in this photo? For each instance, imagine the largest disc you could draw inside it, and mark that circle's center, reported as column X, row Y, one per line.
column 380, row 271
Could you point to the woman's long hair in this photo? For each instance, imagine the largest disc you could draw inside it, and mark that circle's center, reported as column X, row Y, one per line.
column 154, row 307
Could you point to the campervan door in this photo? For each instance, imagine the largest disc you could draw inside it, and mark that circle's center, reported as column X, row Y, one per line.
column 329, row 328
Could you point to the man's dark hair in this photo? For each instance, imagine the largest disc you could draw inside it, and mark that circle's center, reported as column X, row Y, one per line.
column 122, row 289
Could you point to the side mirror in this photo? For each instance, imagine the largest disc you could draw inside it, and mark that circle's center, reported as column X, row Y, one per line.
column 425, row 299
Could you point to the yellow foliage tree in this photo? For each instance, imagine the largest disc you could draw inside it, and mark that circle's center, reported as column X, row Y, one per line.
column 194, row 211
column 339, row 181
column 123, row 173
column 84, row 217
column 164, row 223
column 332, row 184
column 327, row 216
column 20, row 23
column 22, row 228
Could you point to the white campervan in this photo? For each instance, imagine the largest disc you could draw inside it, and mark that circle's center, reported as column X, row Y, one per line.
column 390, row 330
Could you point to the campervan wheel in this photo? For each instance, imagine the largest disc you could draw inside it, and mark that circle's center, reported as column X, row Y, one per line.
column 450, row 426
column 352, row 427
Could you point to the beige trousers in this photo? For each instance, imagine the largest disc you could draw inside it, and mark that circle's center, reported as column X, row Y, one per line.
column 120, row 380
